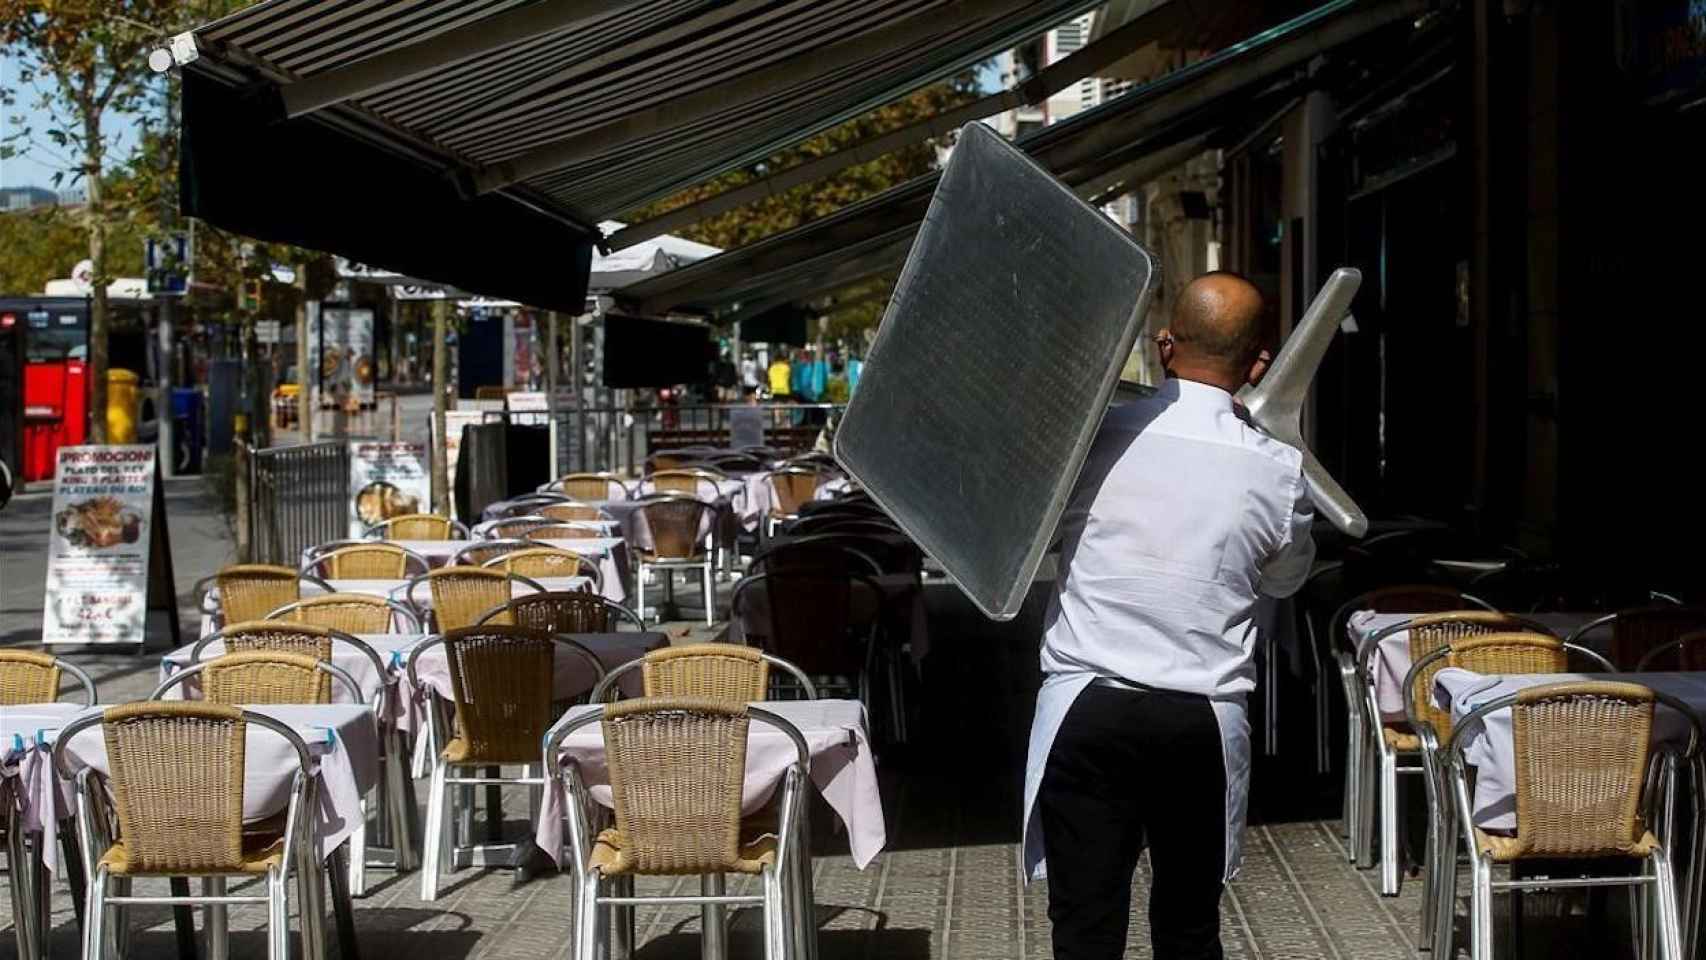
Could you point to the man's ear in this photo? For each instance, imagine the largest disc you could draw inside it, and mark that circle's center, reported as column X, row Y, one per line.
column 1259, row 368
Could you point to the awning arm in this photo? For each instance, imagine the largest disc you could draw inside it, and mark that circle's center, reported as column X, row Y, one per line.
column 438, row 51
column 744, row 88
column 1119, row 43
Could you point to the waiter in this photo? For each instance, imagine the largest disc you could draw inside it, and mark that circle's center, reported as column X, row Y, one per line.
column 1183, row 515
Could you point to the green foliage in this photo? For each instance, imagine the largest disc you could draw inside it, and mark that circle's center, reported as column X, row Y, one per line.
column 45, row 243
column 807, row 202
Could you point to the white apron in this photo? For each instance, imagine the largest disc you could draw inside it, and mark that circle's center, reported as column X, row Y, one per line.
column 1059, row 692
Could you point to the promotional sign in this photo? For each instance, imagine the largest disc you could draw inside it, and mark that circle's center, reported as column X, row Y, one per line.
column 107, row 538
column 533, row 409
column 454, row 421
column 386, row 480
column 167, row 263
column 346, row 369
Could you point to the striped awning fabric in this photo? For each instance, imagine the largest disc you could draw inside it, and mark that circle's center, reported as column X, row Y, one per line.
column 606, row 105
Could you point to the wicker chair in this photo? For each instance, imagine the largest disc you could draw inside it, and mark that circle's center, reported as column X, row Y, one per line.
column 353, row 613
column 1390, row 745
column 698, row 481
column 29, row 677
column 371, row 561
column 1582, row 753
column 561, row 531
column 1361, row 728
column 461, row 594
column 175, row 782
column 1687, row 652
column 680, row 527
column 815, row 621
column 823, row 552
column 1522, row 649
column 513, row 528
column 564, row 612
column 549, row 562
column 250, row 591
column 716, row 671
column 677, row 767
column 1638, row 632
column 417, row 526
column 279, row 636
column 591, row 486
column 478, row 553
column 501, row 679
column 525, row 505
column 263, row 677
column 791, row 487
column 573, row 513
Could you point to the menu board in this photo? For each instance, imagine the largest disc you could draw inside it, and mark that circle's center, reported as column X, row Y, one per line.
column 454, row 421
column 346, row 368
column 99, row 548
column 386, row 480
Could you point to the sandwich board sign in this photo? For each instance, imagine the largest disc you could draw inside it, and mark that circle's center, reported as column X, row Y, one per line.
column 109, row 558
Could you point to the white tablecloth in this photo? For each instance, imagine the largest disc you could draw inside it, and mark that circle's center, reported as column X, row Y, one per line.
column 1391, row 661
column 841, row 767
column 397, row 589
column 342, row 739
column 1492, row 748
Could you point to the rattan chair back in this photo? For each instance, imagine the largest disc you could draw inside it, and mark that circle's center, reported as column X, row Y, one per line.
column 678, row 525
column 348, row 612
column 461, row 594
column 370, row 561
column 514, row 528
column 277, row 636
column 176, row 771
column 1403, row 598
column 1636, row 633
column 501, row 680
column 561, row 531
column 1581, row 762
column 250, row 591
column 481, row 552
column 419, row 526
column 823, row 553
column 28, row 677
column 813, row 621
column 547, row 562
column 693, row 483
column 715, row 671
column 572, row 512
column 1435, row 631
column 592, row 486
column 676, row 770
column 792, row 488
column 265, row 677
column 565, row 611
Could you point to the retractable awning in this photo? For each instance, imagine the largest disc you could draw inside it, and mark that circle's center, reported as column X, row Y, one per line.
column 1135, row 137
column 473, row 141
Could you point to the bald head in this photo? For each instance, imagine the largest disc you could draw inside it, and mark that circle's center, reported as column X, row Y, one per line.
column 1217, row 323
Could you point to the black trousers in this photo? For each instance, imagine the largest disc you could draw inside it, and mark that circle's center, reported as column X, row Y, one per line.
column 1127, row 765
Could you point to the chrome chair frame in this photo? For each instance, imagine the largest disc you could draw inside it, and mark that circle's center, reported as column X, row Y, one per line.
column 610, row 606
column 602, row 694
column 379, row 528
column 789, row 915
column 337, row 673
column 707, row 566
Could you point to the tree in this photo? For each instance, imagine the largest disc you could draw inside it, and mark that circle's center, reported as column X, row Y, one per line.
column 92, row 55
column 808, row 202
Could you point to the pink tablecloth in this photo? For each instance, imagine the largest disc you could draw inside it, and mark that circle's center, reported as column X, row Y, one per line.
column 1391, row 662
column 572, row 676
column 342, row 739
column 841, row 766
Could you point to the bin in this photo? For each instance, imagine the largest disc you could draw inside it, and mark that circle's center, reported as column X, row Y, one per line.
column 123, row 403
column 189, row 428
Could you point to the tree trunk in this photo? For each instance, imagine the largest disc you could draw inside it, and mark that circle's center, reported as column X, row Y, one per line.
column 440, row 377
column 96, row 214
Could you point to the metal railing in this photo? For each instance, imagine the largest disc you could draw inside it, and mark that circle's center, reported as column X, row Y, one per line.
column 299, row 497
column 619, row 439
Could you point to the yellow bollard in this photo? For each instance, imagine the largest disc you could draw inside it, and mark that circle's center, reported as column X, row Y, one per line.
column 122, row 405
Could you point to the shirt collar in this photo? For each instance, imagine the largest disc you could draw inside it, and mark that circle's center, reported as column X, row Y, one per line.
column 1190, row 391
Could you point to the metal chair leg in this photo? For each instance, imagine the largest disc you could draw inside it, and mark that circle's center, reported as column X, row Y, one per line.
column 1367, row 824
column 1389, row 872
column 1481, row 909
column 1670, row 932
column 342, row 913
column 215, row 920
column 437, row 827
column 713, row 919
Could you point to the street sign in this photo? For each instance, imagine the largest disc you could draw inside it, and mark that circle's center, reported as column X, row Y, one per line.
column 166, row 260
column 267, row 331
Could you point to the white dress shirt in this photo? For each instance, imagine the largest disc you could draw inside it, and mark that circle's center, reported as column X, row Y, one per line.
column 1183, row 515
